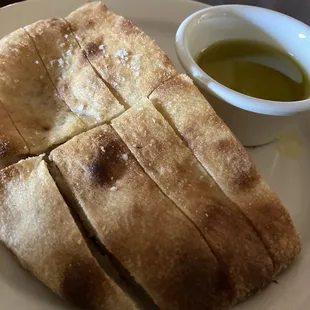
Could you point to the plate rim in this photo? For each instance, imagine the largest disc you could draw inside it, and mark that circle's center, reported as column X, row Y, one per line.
column 9, row 9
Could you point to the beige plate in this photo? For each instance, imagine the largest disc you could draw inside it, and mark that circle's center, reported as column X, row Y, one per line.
column 285, row 163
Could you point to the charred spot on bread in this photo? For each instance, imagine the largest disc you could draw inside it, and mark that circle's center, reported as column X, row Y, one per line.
column 196, row 271
column 82, row 283
column 83, row 57
column 108, row 165
column 92, row 49
column 246, row 180
column 245, row 175
column 46, row 128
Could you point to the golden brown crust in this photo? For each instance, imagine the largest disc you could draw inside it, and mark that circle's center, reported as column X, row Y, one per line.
column 228, row 163
column 11, row 142
column 29, row 96
column 126, row 58
column 142, row 228
column 75, row 79
column 173, row 167
column 36, row 225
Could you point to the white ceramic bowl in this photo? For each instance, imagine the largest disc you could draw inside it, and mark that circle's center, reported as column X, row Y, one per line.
column 254, row 121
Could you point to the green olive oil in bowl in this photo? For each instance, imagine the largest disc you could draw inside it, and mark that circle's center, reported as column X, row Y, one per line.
column 255, row 69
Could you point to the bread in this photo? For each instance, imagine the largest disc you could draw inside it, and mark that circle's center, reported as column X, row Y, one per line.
column 167, row 191
column 175, row 170
column 75, row 79
column 36, row 225
column 230, row 166
column 125, row 57
column 135, row 222
column 11, row 142
column 29, row 97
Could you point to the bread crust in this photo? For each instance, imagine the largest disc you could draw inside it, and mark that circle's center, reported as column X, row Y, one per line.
column 29, row 97
column 172, row 166
column 36, row 225
column 74, row 78
column 126, row 58
column 222, row 155
column 135, row 222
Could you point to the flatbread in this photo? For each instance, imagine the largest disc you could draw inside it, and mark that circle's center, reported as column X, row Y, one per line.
column 11, row 142
column 29, row 97
column 36, row 225
column 228, row 163
column 75, row 79
column 126, row 58
column 143, row 229
column 172, row 166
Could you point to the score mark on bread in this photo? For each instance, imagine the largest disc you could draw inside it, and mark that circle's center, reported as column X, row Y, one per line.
column 12, row 144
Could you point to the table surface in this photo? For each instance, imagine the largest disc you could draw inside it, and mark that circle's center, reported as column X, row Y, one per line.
column 299, row 9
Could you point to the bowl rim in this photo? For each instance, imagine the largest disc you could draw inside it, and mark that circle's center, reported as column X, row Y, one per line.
column 231, row 96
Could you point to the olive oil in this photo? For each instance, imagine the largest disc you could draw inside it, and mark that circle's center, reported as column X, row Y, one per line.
column 255, row 69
